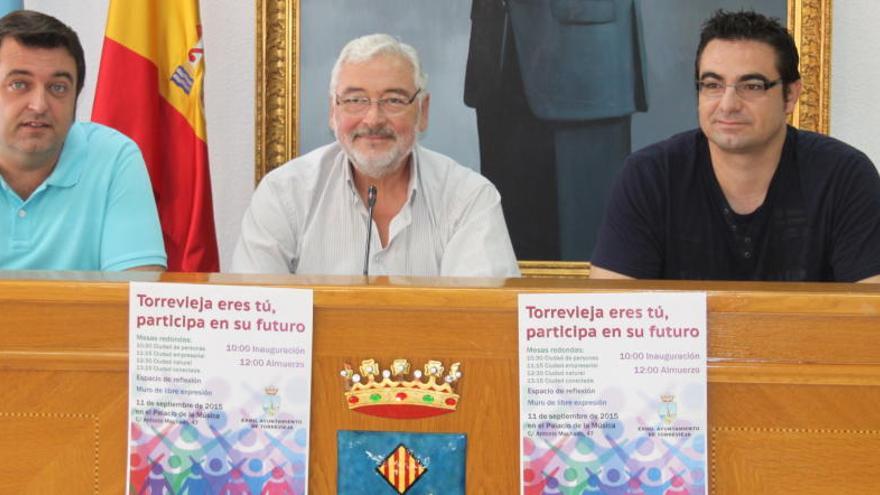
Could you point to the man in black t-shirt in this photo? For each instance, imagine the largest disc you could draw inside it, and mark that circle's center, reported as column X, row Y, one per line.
column 744, row 197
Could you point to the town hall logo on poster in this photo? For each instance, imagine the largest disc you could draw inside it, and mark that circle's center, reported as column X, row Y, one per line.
column 668, row 409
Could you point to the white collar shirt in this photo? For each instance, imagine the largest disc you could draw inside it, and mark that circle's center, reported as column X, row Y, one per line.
column 306, row 217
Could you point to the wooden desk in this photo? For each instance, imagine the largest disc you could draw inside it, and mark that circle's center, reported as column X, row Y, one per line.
column 794, row 392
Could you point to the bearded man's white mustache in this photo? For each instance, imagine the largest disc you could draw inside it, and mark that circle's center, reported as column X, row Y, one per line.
column 382, row 132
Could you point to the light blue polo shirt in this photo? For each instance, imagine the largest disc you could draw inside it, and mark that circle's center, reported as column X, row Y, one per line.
column 96, row 210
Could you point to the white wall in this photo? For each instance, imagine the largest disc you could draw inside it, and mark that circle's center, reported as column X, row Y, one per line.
column 228, row 29
column 855, row 75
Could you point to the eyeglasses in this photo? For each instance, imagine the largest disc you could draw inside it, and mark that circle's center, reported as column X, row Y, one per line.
column 391, row 105
column 747, row 90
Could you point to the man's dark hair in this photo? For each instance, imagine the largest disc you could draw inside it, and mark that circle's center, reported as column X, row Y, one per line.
column 751, row 26
column 38, row 30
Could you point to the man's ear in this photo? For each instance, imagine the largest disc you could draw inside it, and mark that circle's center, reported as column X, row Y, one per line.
column 794, row 92
column 331, row 120
column 423, row 112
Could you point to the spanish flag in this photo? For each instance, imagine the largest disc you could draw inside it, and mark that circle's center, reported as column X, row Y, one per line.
column 150, row 88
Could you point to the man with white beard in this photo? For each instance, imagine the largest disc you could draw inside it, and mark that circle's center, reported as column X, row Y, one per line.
column 431, row 216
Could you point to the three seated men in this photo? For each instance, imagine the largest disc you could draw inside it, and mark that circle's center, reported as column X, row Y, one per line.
column 743, row 197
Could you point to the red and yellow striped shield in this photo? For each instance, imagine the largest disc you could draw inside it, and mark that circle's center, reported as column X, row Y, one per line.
column 401, row 469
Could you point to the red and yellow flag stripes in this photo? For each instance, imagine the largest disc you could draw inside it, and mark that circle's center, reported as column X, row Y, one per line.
column 150, row 88
column 401, row 469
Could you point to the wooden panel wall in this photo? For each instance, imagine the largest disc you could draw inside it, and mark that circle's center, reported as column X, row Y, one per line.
column 794, row 391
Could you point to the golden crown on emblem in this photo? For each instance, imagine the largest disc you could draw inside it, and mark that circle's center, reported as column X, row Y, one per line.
column 395, row 393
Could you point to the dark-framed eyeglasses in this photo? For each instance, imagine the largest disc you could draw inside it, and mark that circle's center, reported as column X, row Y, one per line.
column 390, row 105
column 751, row 89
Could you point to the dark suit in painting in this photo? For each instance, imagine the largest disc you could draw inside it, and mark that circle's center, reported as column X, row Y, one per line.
column 554, row 83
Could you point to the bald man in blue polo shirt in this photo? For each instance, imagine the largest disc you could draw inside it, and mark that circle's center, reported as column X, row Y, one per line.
column 73, row 196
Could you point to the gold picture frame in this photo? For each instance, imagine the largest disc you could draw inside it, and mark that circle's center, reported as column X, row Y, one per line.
column 810, row 24
column 277, row 75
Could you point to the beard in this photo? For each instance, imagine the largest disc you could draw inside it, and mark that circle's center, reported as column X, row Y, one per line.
column 372, row 163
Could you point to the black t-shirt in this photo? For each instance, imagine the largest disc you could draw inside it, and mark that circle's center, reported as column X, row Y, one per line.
column 668, row 218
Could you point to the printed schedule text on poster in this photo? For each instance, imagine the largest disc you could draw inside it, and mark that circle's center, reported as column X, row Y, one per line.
column 219, row 389
column 613, row 393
